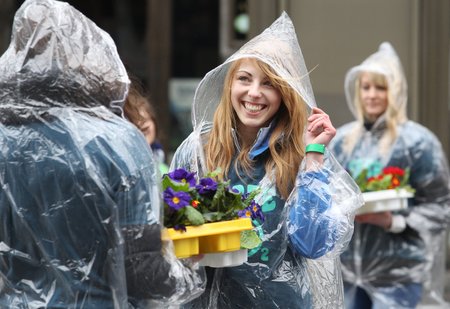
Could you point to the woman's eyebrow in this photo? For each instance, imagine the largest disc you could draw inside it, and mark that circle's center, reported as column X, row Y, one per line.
column 243, row 71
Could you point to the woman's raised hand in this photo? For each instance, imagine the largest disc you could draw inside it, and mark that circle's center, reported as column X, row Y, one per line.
column 320, row 130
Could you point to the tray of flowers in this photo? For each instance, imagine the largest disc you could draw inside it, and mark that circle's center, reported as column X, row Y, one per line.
column 206, row 216
column 387, row 191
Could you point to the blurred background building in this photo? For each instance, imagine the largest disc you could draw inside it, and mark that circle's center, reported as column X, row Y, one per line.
column 171, row 44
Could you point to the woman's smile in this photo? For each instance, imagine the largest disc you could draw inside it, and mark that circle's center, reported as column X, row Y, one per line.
column 253, row 107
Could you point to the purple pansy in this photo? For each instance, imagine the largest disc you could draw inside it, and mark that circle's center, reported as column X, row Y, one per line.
column 252, row 211
column 206, row 186
column 256, row 211
column 176, row 200
column 245, row 213
column 183, row 176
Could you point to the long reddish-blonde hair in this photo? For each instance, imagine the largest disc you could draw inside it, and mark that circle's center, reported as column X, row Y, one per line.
column 286, row 143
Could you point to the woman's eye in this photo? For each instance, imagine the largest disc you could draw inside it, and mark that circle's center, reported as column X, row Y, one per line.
column 267, row 84
column 243, row 78
column 382, row 88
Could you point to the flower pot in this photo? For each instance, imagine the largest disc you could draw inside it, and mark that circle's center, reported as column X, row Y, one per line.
column 216, row 237
column 224, row 259
column 384, row 200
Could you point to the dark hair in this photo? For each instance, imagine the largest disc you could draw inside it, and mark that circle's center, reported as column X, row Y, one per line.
column 137, row 101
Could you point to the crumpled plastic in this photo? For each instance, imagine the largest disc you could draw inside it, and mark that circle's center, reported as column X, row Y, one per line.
column 79, row 189
column 377, row 258
column 311, row 278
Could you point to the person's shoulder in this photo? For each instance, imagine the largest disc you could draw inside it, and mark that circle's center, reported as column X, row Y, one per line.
column 115, row 134
column 410, row 124
column 419, row 135
column 418, row 131
column 185, row 151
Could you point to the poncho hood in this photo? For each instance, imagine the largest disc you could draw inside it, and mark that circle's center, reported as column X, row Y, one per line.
column 276, row 46
column 384, row 61
column 58, row 58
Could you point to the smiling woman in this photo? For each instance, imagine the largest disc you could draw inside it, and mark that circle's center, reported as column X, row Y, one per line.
column 254, row 97
column 256, row 122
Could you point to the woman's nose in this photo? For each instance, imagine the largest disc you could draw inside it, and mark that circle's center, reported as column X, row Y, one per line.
column 254, row 90
column 371, row 92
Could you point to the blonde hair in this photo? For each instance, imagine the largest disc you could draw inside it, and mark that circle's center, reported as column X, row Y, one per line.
column 286, row 145
column 393, row 116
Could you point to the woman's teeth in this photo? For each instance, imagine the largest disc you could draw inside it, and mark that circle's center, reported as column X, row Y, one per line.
column 253, row 107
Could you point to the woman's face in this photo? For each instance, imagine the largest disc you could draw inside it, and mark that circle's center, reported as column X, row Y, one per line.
column 374, row 97
column 147, row 127
column 255, row 100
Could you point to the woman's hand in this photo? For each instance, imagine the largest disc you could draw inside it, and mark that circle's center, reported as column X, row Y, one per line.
column 320, row 130
column 381, row 219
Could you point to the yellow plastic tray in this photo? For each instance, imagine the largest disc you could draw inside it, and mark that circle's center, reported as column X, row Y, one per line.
column 213, row 237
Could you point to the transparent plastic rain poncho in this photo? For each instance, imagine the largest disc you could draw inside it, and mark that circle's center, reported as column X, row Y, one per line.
column 276, row 274
column 79, row 199
column 377, row 258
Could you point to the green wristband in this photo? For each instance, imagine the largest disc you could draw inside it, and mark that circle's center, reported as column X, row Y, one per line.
column 320, row 148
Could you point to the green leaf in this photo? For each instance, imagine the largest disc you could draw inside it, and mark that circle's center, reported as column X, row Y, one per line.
column 214, row 174
column 176, row 186
column 251, row 196
column 361, row 180
column 213, row 216
column 194, row 216
column 405, row 179
column 382, row 184
column 249, row 239
column 217, row 201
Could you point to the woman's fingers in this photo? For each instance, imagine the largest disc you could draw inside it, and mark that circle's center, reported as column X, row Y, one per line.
column 319, row 122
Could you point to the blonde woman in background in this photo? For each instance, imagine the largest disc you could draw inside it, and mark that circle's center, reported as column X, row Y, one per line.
column 388, row 262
